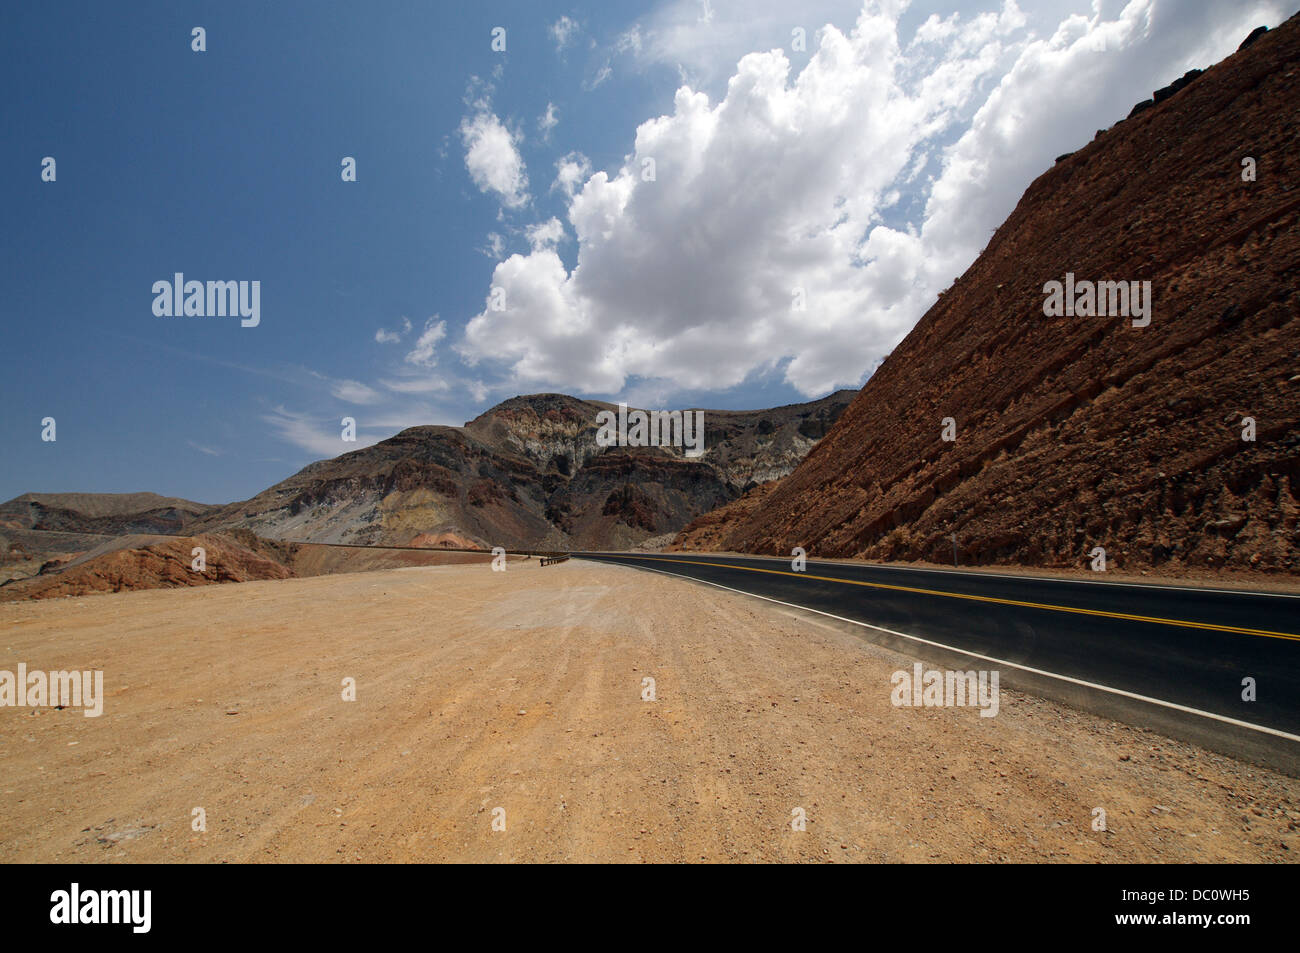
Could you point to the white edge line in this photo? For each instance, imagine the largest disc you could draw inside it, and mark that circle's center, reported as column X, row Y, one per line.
column 989, row 575
column 989, row 658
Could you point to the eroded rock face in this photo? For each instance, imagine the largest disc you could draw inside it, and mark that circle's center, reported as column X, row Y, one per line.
column 529, row 473
column 1076, row 432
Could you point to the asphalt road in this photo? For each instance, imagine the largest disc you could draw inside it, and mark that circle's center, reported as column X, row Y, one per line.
column 1185, row 650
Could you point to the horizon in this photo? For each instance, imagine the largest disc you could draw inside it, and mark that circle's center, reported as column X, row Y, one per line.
column 480, row 171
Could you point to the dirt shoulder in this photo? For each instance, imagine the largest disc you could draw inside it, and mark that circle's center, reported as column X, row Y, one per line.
column 522, row 690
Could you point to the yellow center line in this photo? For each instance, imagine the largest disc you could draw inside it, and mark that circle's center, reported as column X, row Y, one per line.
column 1207, row 626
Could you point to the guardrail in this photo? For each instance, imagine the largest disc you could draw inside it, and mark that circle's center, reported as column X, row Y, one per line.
column 526, row 553
column 547, row 555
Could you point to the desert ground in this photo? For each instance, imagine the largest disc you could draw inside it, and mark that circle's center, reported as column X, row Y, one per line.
column 523, row 691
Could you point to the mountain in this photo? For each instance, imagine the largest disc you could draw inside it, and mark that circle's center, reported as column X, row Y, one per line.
column 1079, row 432
column 42, row 531
column 529, row 473
column 110, row 514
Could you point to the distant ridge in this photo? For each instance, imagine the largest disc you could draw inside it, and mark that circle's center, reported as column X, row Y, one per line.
column 104, row 513
column 529, row 473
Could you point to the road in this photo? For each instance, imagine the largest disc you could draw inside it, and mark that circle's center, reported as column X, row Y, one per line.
column 1179, row 649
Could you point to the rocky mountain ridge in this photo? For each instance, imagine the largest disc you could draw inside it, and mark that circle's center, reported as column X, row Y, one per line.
column 529, row 473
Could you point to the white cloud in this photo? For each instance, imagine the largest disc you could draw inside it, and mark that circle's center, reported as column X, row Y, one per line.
column 545, row 235
column 548, row 121
column 392, row 337
column 354, row 392
column 350, row 391
column 571, row 171
column 321, row 437
column 416, row 385
column 629, row 41
column 602, row 74
column 423, row 353
column 794, row 180
column 563, row 31
column 496, row 244
column 202, row 449
column 704, row 41
column 627, row 44
column 689, row 277
column 492, row 158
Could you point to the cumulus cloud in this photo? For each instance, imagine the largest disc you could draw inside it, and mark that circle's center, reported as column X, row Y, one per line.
column 859, row 184
column 424, row 352
column 570, row 172
column 691, row 276
column 492, row 157
column 703, row 41
column 545, row 234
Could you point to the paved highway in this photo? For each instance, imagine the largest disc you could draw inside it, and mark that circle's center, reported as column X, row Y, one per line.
column 1181, row 649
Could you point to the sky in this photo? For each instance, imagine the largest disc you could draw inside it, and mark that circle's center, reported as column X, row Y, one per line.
column 681, row 203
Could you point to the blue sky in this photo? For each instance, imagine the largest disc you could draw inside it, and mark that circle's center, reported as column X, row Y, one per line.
column 866, row 170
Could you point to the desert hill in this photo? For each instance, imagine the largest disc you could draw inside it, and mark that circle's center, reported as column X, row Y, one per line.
column 151, row 562
column 109, row 514
column 529, row 473
column 1080, row 431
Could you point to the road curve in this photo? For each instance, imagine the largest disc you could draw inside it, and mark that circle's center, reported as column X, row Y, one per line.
column 1182, row 649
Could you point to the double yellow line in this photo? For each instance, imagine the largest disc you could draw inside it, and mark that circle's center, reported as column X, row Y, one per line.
column 1180, row 623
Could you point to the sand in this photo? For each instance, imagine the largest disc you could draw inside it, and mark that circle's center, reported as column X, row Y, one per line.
column 516, row 698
